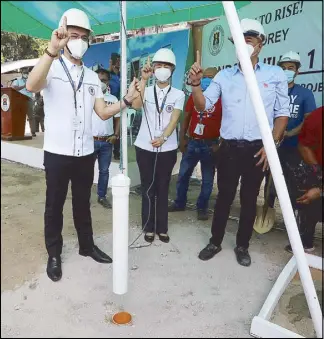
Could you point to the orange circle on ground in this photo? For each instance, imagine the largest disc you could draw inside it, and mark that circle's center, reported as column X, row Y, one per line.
column 121, row 318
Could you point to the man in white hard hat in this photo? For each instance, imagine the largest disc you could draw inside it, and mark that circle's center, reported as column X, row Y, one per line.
column 302, row 103
column 71, row 92
column 161, row 111
column 241, row 154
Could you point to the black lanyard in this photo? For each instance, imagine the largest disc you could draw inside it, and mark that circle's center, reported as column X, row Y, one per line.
column 160, row 110
column 72, row 83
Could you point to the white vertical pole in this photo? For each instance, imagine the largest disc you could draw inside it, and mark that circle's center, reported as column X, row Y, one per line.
column 123, row 85
column 120, row 189
column 276, row 170
column 120, row 192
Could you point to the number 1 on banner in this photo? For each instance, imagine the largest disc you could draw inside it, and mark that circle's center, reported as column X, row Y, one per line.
column 311, row 54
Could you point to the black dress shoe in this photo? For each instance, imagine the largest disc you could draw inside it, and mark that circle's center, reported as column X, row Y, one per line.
column 97, row 255
column 164, row 237
column 149, row 237
column 174, row 208
column 54, row 268
column 202, row 215
column 104, row 202
column 242, row 256
column 209, row 251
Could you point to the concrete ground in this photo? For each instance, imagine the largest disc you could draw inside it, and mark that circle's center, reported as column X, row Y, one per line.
column 172, row 294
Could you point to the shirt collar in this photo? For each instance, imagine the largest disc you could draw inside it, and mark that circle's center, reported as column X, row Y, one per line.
column 69, row 64
column 257, row 66
column 164, row 90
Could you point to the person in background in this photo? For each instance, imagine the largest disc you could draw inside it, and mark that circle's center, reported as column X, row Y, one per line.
column 310, row 204
column 114, row 68
column 20, row 85
column 156, row 143
column 302, row 102
column 71, row 92
column 203, row 130
column 39, row 112
column 241, row 155
column 105, row 134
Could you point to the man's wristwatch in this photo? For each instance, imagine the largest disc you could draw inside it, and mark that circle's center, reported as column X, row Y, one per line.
column 164, row 138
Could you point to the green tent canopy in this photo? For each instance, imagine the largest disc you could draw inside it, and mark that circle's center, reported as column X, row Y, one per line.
column 40, row 18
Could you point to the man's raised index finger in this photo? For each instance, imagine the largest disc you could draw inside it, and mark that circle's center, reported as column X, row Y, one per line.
column 65, row 22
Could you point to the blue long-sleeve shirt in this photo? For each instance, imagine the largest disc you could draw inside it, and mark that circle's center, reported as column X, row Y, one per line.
column 239, row 120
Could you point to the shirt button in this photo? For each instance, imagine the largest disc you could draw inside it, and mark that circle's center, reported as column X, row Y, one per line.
column 80, row 106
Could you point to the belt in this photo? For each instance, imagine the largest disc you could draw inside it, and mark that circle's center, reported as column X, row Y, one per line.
column 104, row 138
column 242, row 143
column 205, row 140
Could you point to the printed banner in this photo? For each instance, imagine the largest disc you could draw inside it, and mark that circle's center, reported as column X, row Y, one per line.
column 290, row 26
column 138, row 49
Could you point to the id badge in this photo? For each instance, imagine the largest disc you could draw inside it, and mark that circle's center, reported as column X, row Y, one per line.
column 199, row 130
column 75, row 123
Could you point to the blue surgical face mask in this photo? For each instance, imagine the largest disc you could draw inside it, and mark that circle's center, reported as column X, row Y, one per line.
column 205, row 82
column 290, row 75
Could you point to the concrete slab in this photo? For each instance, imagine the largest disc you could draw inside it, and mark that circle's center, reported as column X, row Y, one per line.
column 172, row 294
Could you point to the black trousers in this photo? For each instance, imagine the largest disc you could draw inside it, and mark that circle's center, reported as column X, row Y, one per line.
column 116, row 150
column 236, row 160
column 310, row 215
column 287, row 156
column 59, row 170
column 159, row 190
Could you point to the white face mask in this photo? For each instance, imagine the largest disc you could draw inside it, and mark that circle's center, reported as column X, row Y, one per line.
column 103, row 87
column 77, row 48
column 162, row 74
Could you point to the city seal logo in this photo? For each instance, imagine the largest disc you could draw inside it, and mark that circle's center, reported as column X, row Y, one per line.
column 5, row 102
column 91, row 91
column 216, row 40
column 185, row 87
column 169, row 108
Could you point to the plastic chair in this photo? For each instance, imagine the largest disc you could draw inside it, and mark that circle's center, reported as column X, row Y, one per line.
column 130, row 120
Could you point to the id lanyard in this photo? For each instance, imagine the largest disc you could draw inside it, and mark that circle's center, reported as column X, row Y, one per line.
column 201, row 115
column 72, row 83
column 160, row 110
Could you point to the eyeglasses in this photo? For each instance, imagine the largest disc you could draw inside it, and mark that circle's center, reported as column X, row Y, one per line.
column 251, row 34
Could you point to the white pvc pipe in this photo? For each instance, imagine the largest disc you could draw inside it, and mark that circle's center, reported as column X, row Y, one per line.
column 123, row 85
column 276, row 170
column 120, row 192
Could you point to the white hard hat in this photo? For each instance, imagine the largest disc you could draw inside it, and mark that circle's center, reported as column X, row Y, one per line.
column 252, row 26
column 165, row 55
column 76, row 17
column 290, row 57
